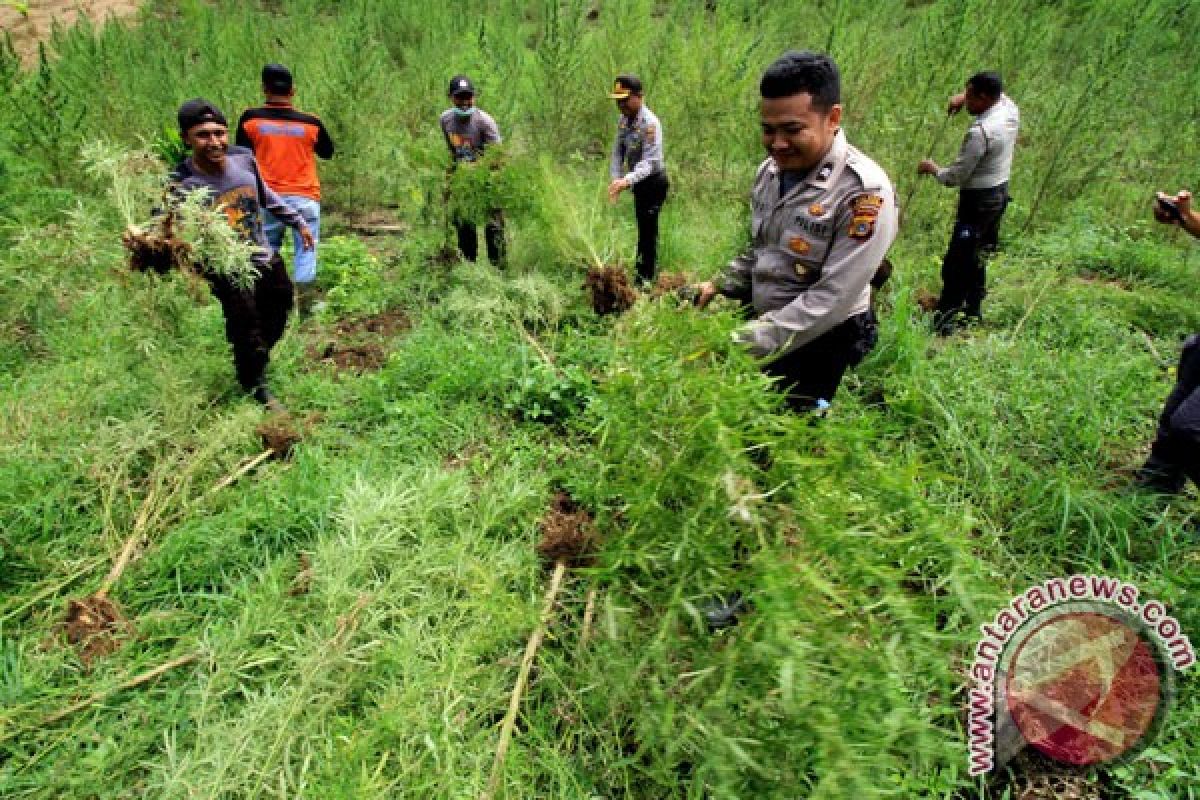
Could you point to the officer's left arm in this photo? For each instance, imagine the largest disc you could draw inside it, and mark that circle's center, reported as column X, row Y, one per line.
column 652, row 156
column 973, row 148
column 862, row 240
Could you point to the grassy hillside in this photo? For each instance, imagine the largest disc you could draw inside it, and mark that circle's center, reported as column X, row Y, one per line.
column 357, row 613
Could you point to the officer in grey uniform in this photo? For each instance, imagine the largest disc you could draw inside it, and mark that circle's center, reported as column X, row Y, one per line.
column 637, row 164
column 468, row 131
column 981, row 173
column 823, row 219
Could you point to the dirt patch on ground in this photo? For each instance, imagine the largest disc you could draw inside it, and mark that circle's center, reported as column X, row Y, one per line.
column 36, row 24
column 350, row 357
column 385, row 323
column 95, row 626
column 568, row 532
column 610, row 290
column 361, row 344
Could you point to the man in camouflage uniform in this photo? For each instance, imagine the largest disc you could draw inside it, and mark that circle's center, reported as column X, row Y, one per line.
column 981, row 174
column 637, row 164
column 823, row 218
column 468, row 131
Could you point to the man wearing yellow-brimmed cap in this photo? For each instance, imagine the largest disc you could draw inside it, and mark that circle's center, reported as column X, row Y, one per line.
column 637, row 164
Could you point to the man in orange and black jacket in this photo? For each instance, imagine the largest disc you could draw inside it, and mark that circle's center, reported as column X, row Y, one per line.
column 286, row 142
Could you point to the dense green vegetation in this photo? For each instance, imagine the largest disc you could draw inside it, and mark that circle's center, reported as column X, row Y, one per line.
column 360, row 610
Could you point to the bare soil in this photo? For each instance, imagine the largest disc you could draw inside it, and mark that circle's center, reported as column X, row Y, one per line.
column 96, row 626
column 35, row 26
column 568, row 532
column 385, row 323
column 360, row 344
column 610, row 289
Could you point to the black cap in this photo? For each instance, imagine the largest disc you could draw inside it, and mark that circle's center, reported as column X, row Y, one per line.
column 196, row 112
column 277, row 78
column 460, row 84
column 624, row 86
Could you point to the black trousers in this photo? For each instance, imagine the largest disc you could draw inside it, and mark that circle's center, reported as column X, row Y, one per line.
column 814, row 372
column 649, row 195
column 493, row 234
column 976, row 231
column 1175, row 453
column 255, row 318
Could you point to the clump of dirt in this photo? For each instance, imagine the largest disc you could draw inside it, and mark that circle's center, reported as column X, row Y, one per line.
column 280, row 433
column 96, row 626
column 568, row 532
column 668, row 282
column 302, row 583
column 927, row 300
column 158, row 252
column 610, row 289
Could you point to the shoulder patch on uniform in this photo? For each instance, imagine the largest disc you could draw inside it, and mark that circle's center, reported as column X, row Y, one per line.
column 799, row 245
column 650, row 132
column 864, row 210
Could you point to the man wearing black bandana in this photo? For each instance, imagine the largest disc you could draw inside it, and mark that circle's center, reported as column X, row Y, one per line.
column 255, row 317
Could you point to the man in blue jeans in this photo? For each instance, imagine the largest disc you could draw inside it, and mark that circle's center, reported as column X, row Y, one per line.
column 286, row 143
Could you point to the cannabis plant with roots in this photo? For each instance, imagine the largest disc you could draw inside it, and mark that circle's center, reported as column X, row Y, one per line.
column 191, row 231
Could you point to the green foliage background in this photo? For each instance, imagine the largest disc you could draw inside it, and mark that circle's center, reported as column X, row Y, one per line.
column 951, row 475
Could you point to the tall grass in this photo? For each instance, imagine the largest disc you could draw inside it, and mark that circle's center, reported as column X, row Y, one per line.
column 950, row 475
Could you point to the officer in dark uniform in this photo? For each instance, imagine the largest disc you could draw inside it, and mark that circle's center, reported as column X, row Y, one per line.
column 1175, row 454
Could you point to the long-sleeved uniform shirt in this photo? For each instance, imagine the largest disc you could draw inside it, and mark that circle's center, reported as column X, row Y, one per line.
column 638, row 150
column 241, row 192
column 285, row 144
column 468, row 136
column 815, row 249
column 985, row 158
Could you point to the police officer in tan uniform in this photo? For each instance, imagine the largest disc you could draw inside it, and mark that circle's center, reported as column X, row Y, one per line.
column 981, row 174
column 637, row 164
column 823, row 218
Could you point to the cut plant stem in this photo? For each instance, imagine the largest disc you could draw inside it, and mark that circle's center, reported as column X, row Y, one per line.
column 132, row 683
column 514, row 704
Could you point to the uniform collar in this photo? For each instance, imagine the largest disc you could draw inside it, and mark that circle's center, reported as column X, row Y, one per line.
column 640, row 116
column 995, row 109
column 828, row 170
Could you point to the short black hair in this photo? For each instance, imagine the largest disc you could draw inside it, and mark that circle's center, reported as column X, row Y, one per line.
column 799, row 72
column 987, row 84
